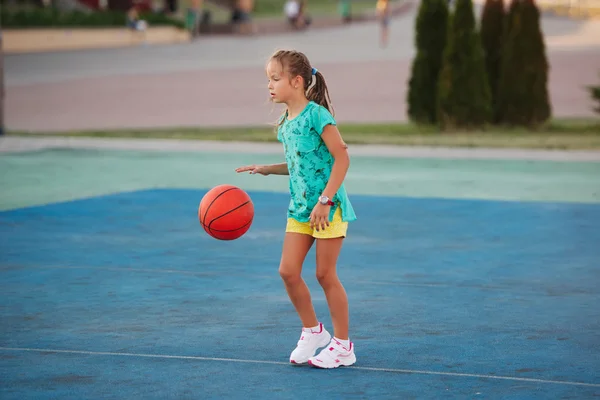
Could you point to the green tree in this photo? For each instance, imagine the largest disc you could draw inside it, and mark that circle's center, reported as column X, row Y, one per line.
column 492, row 30
column 464, row 92
column 523, row 98
column 595, row 93
column 430, row 41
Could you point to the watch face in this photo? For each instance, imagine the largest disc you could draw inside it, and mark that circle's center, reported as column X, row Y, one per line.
column 323, row 199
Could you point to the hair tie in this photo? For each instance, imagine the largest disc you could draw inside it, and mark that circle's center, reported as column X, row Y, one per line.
column 314, row 71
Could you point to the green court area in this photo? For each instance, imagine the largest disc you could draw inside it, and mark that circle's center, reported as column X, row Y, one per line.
column 53, row 175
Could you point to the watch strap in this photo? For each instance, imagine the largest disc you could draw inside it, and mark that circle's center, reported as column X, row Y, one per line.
column 328, row 203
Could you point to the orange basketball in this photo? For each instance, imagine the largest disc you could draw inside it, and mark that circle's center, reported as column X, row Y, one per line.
column 226, row 212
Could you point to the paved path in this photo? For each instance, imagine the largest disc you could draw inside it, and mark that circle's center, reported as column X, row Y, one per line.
column 219, row 81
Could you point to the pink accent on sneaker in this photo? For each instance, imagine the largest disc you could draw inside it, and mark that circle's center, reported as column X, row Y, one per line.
column 342, row 346
column 320, row 328
column 311, row 331
column 311, row 339
column 333, row 356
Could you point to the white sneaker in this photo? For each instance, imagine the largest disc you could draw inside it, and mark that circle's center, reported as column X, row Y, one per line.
column 333, row 356
column 310, row 341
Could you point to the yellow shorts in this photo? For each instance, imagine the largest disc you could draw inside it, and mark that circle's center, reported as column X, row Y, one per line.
column 337, row 228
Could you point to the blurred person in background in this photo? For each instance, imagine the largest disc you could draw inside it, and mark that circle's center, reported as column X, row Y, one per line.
column 295, row 12
column 383, row 14
column 133, row 20
column 194, row 17
column 345, row 9
column 242, row 16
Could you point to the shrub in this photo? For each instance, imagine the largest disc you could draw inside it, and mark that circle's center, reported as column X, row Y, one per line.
column 48, row 17
column 464, row 92
column 595, row 93
column 523, row 98
column 492, row 24
column 430, row 41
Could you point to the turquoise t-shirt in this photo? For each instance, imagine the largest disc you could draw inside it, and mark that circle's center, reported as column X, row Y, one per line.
column 309, row 163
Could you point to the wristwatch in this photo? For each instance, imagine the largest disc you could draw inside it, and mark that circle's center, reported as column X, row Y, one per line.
column 325, row 201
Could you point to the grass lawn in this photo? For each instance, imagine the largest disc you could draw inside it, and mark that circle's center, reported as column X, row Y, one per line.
column 274, row 8
column 270, row 8
column 559, row 134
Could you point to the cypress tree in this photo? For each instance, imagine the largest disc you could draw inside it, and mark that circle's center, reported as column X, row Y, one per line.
column 464, row 92
column 492, row 29
column 523, row 98
column 595, row 93
column 430, row 41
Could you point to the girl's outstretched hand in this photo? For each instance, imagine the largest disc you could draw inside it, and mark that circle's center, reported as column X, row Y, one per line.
column 254, row 169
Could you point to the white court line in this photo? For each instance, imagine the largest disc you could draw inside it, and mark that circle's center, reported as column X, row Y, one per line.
column 235, row 360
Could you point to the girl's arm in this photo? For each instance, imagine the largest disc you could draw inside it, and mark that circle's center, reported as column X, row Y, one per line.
column 273, row 169
column 277, row 169
column 339, row 150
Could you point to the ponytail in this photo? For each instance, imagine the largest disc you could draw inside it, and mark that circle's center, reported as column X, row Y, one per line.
column 319, row 92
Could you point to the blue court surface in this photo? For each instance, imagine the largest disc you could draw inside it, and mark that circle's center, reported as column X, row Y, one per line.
column 125, row 296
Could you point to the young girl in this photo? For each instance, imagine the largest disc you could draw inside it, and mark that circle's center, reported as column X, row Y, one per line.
column 316, row 161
